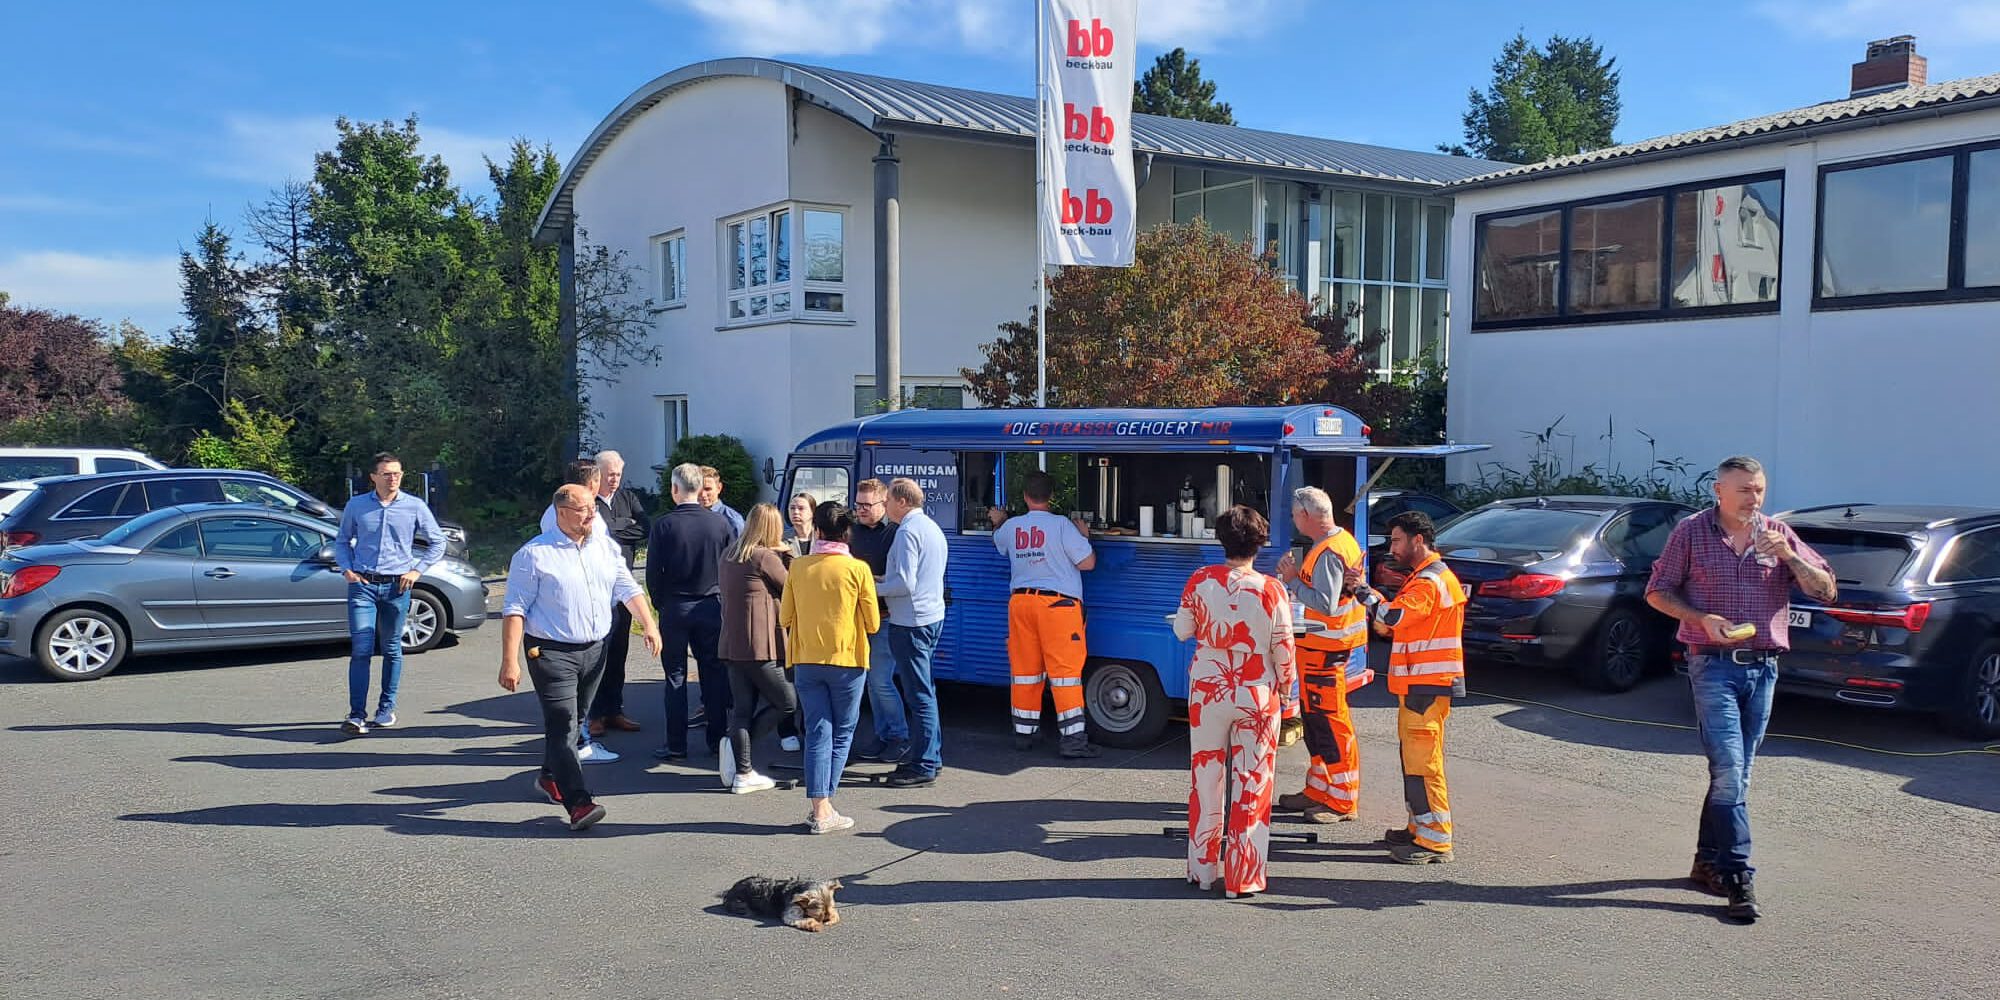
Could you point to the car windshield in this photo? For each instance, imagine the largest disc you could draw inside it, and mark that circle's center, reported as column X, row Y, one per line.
column 1539, row 529
column 118, row 535
column 1863, row 558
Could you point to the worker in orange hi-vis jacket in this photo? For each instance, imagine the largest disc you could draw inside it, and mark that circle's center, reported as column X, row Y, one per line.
column 1324, row 583
column 1047, row 556
column 1426, row 626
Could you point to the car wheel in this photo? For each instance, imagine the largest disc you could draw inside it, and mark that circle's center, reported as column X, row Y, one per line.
column 424, row 626
column 1617, row 660
column 80, row 644
column 1124, row 703
column 1975, row 714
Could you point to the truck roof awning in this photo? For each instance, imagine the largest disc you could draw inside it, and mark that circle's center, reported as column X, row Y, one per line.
column 1390, row 450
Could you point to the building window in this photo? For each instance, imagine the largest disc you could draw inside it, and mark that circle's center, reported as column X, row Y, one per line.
column 1709, row 248
column 670, row 263
column 1918, row 228
column 1227, row 200
column 1517, row 270
column 919, row 394
column 1886, row 228
column 674, row 411
column 1614, row 256
column 1726, row 240
column 1378, row 259
column 761, row 284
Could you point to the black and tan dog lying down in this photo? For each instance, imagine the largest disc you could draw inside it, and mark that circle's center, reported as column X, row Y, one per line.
column 804, row 903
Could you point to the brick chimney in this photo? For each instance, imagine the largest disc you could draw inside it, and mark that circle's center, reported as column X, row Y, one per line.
column 1892, row 64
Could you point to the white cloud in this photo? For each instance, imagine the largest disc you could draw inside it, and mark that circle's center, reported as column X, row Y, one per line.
column 146, row 289
column 991, row 27
column 270, row 150
column 1938, row 23
column 1202, row 23
column 801, row 27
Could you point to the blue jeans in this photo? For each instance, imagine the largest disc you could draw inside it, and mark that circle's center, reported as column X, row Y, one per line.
column 912, row 648
column 375, row 614
column 1732, row 705
column 885, row 703
column 829, row 706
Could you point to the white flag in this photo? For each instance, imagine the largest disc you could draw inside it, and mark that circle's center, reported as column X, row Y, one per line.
column 1089, row 205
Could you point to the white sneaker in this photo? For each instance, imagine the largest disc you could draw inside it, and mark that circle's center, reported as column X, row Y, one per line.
column 725, row 762
column 595, row 753
column 789, row 744
column 383, row 719
column 355, row 724
column 752, row 782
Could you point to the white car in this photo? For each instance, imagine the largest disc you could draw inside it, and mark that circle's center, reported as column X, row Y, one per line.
column 35, row 463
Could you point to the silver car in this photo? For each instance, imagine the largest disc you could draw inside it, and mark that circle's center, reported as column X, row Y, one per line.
column 201, row 576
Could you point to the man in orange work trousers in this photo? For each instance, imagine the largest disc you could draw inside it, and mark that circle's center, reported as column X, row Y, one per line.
column 1324, row 583
column 1425, row 623
column 1047, row 556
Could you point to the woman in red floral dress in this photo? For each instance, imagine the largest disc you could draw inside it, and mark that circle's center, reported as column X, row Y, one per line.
column 1242, row 623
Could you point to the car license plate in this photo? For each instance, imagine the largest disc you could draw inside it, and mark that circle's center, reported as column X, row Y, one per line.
column 1799, row 619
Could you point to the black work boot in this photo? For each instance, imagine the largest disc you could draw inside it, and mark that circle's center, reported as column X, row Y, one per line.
column 1077, row 747
column 1704, row 877
column 1742, row 897
column 1025, row 741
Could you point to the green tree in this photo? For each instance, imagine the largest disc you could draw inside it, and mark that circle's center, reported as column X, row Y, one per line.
column 1195, row 321
column 726, row 455
column 1557, row 100
column 1174, row 87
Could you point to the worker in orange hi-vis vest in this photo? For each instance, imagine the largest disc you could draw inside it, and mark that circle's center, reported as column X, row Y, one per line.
column 1324, row 582
column 1426, row 626
column 1047, row 555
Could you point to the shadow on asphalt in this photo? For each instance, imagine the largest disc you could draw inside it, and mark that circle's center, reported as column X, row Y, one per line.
column 1657, row 717
column 19, row 670
column 1287, row 893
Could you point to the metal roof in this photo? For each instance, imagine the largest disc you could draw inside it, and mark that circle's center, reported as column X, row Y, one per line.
column 882, row 104
column 1969, row 94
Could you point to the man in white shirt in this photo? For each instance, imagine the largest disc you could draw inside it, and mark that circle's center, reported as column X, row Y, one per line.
column 560, row 587
column 1047, row 556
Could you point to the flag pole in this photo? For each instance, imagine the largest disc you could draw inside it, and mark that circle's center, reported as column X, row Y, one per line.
column 1041, row 206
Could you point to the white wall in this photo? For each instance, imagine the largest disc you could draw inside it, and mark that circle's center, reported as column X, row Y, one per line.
column 1888, row 404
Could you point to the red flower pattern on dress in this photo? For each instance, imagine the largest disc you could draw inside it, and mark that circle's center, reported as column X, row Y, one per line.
column 1242, row 627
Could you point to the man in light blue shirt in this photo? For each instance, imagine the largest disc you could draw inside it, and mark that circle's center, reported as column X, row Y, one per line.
column 711, row 497
column 376, row 551
column 913, row 586
column 560, row 590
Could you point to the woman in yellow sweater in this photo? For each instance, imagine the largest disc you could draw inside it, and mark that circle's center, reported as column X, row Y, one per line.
column 827, row 612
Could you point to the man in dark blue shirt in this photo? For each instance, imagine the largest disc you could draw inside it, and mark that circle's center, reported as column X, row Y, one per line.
column 377, row 552
column 682, row 560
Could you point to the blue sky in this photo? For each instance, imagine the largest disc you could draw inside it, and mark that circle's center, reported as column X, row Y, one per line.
column 128, row 124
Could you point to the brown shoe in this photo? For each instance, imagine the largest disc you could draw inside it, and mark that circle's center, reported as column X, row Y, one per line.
column 623, row 723
column 1295, row 802
column 1291, row 731
column 1704, row 877
column 596, row 728
column 1321, row 814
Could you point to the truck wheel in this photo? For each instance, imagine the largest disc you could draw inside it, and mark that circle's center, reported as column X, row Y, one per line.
column 1124, row 703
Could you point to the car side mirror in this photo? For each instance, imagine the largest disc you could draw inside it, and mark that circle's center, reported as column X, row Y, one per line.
column 315, row 508
column 325, row 556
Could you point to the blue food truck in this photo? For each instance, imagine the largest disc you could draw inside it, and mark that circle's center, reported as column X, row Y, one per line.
column 1146, row 481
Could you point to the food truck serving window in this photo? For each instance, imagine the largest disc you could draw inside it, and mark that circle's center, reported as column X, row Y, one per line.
column 1142, row 494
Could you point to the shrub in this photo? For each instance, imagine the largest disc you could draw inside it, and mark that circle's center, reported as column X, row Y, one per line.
column 1550, row 474
column 728, row 456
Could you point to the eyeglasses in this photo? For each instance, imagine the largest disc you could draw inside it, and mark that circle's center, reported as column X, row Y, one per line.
column 865, row 503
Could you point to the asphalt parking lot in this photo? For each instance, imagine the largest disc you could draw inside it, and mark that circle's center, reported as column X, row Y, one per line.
column 197, row 827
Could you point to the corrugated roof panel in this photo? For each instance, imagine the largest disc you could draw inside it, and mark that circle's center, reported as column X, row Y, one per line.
column 1856, row 110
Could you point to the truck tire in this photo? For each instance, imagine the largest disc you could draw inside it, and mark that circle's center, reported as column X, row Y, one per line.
column 1124, row 703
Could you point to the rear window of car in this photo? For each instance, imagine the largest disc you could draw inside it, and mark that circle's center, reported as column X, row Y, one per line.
column 1541, row 529
column 37, row 466
column 12, row 497
column 1863, row 558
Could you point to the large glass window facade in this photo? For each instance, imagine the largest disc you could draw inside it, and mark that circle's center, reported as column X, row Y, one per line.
column 1227, row 200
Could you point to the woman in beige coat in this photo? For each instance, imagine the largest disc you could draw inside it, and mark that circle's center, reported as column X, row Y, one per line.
column 752, row 578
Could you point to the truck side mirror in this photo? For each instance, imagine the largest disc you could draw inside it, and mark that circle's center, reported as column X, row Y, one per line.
column 770, row 472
